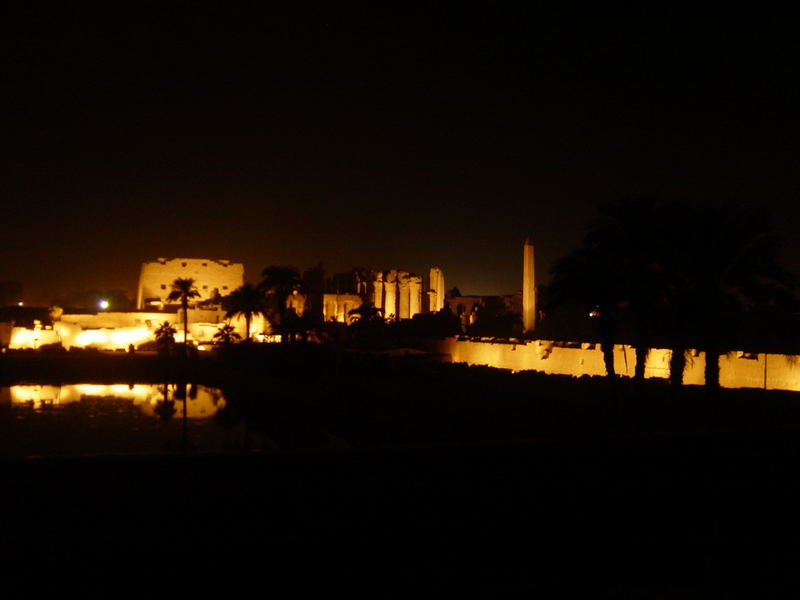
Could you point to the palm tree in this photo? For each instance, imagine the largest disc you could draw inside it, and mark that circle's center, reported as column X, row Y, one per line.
column 248, row 301
column 726, row 266
column 680, row 273
column 590, row 278
column 183, row 289
column 365, row 313
column 282, row 282
column 226, row 335
column 366, row 323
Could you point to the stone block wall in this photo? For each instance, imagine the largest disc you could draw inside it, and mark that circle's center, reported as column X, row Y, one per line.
column 737, row 369
column 211, row 277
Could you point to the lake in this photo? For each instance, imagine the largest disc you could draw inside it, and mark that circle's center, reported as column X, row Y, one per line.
column 121, row 419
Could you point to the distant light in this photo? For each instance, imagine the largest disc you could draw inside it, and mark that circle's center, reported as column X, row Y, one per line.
column 594, row 313
column 103, row 304
column 20, row 304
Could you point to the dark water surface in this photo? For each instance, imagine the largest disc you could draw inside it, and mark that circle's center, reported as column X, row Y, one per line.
column 123, row 419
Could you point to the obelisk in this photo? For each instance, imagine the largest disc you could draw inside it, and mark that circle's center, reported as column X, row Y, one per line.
column 528, row 288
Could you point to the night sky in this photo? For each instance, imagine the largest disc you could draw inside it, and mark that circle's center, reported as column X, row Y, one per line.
column 375, row 137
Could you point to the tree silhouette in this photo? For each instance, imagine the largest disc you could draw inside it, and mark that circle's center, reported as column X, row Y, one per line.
column 226, row 335
column 679, row 273
column 183, row 289
column 726, row 266
column 309, row 324
column 623, row 266
column 366, row 323
column 165, row 338
column 165, row 408
column 281, row 282
column 248, row 301
column 365, row 313
column 588, row 277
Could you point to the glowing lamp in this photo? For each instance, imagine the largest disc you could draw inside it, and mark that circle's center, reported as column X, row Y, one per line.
column 103, row 304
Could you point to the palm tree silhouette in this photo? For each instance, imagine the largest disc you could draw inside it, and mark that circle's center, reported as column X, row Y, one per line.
column 366, row 323
column 727, row 265
column 679, row 273
column 634, row 237
column 365, row 313
column 183, row 289
column 588, row 277
column 282, row 282
column 226, row 335
column 248, row 301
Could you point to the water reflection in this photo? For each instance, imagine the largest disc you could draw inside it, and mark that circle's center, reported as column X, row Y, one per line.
column 154, row 400
column 101, row 419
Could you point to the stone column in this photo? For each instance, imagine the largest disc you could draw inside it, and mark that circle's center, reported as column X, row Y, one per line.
column 440, row 290
column 377, row 291
column 390, row 295
column 437, row 292
column 432, row 289
column 414, row 296
column 404, row 298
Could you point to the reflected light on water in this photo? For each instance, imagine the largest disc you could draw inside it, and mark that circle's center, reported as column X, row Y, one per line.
column 201, row 401
column 37, row 395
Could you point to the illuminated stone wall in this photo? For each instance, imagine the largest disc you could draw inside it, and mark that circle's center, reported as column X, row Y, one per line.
column 118, row 330
column 112, row 330
column 737, row 369
column 16, row 338
column 210, row 276
column 338, row 306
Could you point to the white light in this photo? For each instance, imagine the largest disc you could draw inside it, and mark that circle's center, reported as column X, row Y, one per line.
column 20, row 304
column 103, row 304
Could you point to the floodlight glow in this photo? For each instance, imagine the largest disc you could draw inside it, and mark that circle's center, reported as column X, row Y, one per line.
column 103, row 304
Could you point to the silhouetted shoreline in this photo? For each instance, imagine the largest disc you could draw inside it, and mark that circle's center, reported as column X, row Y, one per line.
column 316, row 392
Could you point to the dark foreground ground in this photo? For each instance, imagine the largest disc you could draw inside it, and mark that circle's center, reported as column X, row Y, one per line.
column 443, row 481
column 699, row 516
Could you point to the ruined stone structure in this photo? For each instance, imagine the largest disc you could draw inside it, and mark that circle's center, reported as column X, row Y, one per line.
column 397, row 293
column 212, row 278
column 436, row 290
column 337, row 307
column 297, row 302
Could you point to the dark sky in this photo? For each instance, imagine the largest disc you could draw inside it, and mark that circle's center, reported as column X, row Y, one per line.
column 375, row 137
